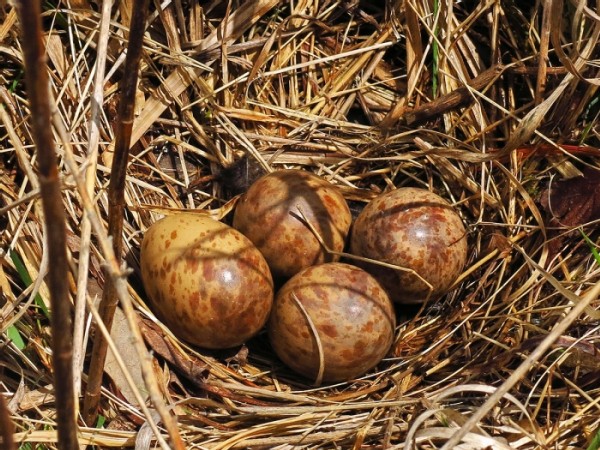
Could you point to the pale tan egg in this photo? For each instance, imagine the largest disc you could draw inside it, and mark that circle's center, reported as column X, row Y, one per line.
column 205, row 280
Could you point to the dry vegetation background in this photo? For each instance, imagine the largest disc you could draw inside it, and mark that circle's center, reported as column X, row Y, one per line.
column 486, row 103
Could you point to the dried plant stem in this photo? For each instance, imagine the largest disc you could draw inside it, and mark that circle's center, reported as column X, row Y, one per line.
column 455, row 99
column 90, row 174
column 37, row 80
column 116, row 188
column 540, row 86
column 315, row 332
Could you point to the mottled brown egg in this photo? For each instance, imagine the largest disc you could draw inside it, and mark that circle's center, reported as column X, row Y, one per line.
column 417, row 230
column 337, row 308
column 205, row 280
column 269, row 214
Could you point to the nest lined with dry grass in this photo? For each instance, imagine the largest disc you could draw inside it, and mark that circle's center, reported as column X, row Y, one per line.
column 471, row 100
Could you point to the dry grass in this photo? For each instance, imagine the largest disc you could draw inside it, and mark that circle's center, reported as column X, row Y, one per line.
column 347, row 90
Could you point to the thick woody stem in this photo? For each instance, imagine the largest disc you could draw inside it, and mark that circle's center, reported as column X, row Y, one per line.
column 36, row 76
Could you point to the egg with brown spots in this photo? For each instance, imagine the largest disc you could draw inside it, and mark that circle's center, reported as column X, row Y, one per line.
column 205, row 280
column 332, row 322
column 270, row 214
column 417, row 230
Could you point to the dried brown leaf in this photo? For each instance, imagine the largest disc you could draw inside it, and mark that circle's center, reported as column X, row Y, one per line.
column 122, row 337
column 190, row 367
column 575, row 201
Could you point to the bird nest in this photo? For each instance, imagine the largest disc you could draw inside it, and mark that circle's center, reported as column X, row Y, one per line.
column 491, row 105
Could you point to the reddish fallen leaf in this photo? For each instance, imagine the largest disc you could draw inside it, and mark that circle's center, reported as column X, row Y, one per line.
column 575, row 201
column 541, row 150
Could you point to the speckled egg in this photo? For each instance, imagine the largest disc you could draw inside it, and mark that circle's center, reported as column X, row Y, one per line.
column 205, row 280
column 342, row 308
column 269, row 214
column 417, row 230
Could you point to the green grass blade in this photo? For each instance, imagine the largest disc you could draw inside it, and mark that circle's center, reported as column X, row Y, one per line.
column 26, row 279
column 100, row 421
column 15, row 336
column 435, row 51
column 592, row 109
column 595, row 444
column 591, row 245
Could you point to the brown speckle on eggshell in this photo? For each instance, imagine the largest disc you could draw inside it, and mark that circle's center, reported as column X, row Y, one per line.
column 415, row 229
column 351, row 313
column 205, row 280
column 270, row 214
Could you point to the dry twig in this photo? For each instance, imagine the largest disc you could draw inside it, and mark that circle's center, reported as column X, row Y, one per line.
column 54, row 218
